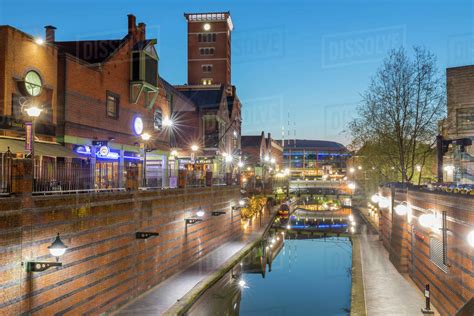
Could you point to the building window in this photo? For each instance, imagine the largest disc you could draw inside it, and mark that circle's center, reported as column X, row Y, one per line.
column 465, row 119
column 207, row 37
column 112, row 105
column 158, row 120
column 206, row 68
column 206, row 81
column 206, row 51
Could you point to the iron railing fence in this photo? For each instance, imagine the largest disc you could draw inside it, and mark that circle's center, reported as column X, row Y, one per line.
column 6, row 160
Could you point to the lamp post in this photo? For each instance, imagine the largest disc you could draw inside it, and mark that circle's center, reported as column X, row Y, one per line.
column 33, row 112
column 145, row 137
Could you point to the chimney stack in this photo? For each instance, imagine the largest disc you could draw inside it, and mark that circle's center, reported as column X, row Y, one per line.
column 141, row 31
column 50, row 33
column 132, row 25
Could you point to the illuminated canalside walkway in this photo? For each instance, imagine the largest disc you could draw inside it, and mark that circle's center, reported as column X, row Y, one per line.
column 160, row 298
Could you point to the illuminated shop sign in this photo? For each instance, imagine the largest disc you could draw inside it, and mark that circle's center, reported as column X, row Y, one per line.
column 104, row 152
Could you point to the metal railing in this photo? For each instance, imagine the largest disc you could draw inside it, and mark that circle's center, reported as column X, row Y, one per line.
column 56, row 176
column 59, row 176
column 6, row 159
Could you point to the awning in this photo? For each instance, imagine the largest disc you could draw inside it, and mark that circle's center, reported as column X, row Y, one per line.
column 41, row 149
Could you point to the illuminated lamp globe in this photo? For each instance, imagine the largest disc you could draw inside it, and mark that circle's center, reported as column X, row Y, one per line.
column 228, row 158
column 146, row 136
column 200, row 213
column 470, row 238
column 33, row 111
column 383, row 202
column 375, row 198
column 57, row 248
column 401, row 209
column 426, row 220
column 167, row 122
column 241, row 202
column 194, row 147
column 240, row 164
column 242, row 283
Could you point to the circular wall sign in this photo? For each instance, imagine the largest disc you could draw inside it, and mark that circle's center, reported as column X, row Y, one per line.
column 33, row 84
column 138, row 125
column 103, row 151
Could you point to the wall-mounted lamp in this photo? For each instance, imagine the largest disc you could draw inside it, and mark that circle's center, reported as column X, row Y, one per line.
column 195, row 219
column 217, row 213
column 402, row 209
column 384, row 202
column 145, row 235
column 56, row 249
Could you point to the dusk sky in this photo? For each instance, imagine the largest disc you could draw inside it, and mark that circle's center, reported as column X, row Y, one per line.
column 311, row 59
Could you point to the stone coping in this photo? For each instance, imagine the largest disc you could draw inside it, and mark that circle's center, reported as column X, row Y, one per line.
column 358, row 306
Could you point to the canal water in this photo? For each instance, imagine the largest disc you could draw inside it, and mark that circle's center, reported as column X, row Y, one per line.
column 285, row 277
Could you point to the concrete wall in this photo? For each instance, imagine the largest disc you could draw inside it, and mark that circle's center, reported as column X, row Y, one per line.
column 408, row 244
column 105, row 266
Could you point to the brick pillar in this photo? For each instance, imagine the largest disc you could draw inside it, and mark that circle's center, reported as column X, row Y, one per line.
column 399, row 235
column 182, row 178
column 208, row 178
column 131, row 182
column 228, row 178
column 22, row 176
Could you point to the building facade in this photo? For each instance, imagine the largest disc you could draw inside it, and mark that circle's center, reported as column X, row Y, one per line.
column 315, row 158
column 215, row 144
column 455, row 149
column 111, row 95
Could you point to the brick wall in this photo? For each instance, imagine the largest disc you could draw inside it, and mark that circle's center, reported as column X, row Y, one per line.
column 408, row 245
column 105, row 266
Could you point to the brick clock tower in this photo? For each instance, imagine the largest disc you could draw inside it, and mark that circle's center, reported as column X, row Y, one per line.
column 209, row 43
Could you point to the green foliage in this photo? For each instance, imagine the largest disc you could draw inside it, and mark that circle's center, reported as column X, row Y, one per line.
column 395, row 131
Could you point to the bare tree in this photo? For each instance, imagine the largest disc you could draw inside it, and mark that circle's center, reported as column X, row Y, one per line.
column 400, row 111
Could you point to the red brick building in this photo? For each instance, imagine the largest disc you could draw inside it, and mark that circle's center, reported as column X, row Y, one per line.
column 28, row 77
column 217, row 108
column 112, row 94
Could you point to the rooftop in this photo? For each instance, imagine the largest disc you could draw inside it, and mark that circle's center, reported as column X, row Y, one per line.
column 312, row 144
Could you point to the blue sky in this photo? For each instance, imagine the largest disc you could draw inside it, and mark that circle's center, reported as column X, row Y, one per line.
column 310, row 58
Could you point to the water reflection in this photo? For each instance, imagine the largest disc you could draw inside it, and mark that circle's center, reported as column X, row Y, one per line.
column 285, row 276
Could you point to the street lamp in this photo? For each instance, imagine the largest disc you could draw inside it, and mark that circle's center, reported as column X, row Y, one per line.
column 194, row 147
column 56, row 249
column 351, row 170
column 427, row 220
column 33, row 112
column 145, row 137
column 39, row 41
column 167, row 122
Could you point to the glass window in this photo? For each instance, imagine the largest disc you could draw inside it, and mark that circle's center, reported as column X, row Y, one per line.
column 158, row 120
column 112, row 105
column 465, row 119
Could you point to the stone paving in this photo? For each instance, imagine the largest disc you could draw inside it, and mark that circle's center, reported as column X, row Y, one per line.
column 387, row 292
column 160, row 298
